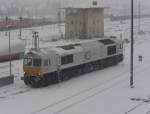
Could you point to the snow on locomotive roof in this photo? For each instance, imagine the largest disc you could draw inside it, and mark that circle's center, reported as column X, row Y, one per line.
column 61, row 51
column 74, row 41
column 72, row 46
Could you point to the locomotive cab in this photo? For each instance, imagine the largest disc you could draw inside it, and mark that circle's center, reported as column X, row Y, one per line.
column 32, row 66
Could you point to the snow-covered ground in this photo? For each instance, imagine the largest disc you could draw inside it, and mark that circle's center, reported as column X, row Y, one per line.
column 102, row 92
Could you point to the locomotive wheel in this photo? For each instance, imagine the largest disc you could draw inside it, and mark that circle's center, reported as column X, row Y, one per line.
column 97, row 66
column 65, row 77
column 103, row 64
column 44, row 82
column 79, row 72
column 88, row 68
column 26, row 80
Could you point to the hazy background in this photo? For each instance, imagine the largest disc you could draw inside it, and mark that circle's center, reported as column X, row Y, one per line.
column 43, row 8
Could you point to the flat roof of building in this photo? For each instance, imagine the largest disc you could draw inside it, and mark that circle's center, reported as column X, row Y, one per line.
column 85, row 7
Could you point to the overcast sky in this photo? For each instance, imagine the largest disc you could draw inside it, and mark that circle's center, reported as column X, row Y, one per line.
column 49, row 4
column 74, row 1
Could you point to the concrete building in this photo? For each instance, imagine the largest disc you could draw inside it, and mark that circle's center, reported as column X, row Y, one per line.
column 84, row 23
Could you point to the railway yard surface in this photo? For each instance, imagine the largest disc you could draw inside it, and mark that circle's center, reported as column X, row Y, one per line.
column 105, row 91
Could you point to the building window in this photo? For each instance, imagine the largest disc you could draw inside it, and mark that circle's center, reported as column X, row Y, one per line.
column 66, row 59
column 111, row 50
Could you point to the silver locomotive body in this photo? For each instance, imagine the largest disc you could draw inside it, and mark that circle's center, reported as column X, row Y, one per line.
column 63, row 61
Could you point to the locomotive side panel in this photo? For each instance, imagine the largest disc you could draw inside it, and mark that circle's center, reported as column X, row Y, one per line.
column 93, row 51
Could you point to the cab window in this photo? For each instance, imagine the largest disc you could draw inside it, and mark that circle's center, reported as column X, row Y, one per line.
column 28, row 61
column 47, row 62
column 37, row 62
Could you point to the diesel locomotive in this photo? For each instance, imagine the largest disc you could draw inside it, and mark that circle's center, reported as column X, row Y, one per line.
column 60, row 62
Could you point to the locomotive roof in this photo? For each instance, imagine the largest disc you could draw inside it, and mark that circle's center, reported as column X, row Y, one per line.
column 69, row 47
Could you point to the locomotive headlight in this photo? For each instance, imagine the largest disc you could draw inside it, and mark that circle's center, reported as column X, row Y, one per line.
column 39, row 72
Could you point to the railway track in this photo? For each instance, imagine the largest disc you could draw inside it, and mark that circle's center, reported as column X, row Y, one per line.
column 88, row 93
column 83, row 95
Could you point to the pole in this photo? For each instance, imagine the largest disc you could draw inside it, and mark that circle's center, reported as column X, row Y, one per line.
column 139, row 16
column 6, row 19
column 132, row 47
column 9, row 55
column 9, row 46
column 20, row 32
